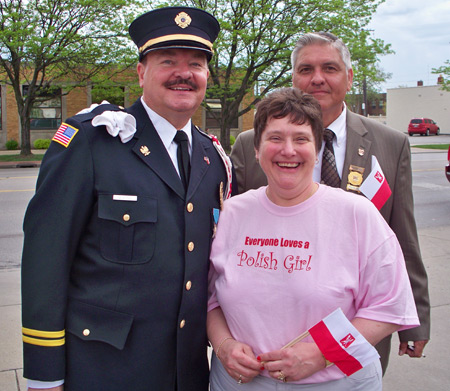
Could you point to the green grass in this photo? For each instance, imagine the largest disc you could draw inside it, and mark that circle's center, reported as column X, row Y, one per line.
column 432, row 146
column 20, row 158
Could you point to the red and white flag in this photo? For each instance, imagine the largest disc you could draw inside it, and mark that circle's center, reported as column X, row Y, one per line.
column 342, row 344
column 375, row 187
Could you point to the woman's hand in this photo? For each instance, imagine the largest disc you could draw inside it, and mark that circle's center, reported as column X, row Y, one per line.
column 239, row 361
column 297, row 362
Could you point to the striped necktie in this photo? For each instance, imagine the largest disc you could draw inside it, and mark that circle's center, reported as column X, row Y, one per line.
column 329, row 174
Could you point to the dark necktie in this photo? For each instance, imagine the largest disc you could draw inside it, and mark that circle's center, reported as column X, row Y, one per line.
column 329, row 174
column 183, row 158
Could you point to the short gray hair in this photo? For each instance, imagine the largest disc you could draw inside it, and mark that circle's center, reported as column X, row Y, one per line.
column 322, row 38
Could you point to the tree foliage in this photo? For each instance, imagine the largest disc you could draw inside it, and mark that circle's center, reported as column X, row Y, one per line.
column 365, row 51
column 256, row 40
column 444, row 71
column 46, row 42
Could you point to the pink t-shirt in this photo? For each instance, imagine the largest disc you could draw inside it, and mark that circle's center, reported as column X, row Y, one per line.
column 277, row 271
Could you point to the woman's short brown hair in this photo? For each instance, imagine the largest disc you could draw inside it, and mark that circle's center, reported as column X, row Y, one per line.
column 289, row 102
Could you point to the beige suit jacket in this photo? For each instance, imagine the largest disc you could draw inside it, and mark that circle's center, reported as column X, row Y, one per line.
column 365, row 138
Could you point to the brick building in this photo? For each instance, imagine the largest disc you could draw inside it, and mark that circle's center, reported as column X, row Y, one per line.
column 53, row 108
column 376, row 104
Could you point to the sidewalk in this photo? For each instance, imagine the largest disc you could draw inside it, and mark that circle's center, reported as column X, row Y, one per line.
column 404, row 373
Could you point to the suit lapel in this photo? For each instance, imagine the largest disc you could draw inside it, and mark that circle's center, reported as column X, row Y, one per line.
column 357, row 150
column 150, row 149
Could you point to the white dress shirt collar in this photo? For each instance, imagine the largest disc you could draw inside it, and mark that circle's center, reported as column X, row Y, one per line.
column 165, row 129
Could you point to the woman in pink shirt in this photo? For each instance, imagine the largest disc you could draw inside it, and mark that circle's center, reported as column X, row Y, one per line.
column 288, row 254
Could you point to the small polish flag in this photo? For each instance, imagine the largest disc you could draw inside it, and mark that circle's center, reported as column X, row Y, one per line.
column 375, row 187
column 342, row 344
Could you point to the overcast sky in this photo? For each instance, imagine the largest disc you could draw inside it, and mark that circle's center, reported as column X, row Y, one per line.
column 419, row 32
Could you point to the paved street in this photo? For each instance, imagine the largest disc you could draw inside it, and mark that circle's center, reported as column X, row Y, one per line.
column 432, row 203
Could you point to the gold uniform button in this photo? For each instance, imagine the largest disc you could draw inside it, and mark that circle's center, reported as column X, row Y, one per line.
column 188, row 285
column 182, row 324
column 190, row 207
column 86, row 332
column 191, row 246
column 126, row 217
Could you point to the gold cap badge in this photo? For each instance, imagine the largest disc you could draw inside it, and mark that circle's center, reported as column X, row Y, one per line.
column 183, row 20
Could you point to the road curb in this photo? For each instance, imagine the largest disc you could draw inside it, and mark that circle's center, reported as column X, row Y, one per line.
column 30, row 164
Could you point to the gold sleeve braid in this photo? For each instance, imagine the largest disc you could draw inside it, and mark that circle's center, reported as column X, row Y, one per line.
column 43, row 338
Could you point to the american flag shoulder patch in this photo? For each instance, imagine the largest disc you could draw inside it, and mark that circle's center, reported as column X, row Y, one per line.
column 65, row 134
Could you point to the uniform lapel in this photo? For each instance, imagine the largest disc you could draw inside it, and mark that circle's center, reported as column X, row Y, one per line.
column 357, row 150
column 150, row 149
column 200, row 160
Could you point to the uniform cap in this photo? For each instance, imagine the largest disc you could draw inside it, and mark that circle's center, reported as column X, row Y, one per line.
column 175, row 27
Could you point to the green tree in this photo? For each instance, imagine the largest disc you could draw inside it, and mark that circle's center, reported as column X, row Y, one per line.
column 365, row 52
column 45, row 42
column 256, row 40
column 444, row 70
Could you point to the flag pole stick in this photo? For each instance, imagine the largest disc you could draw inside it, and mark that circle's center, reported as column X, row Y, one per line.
column 295, row 340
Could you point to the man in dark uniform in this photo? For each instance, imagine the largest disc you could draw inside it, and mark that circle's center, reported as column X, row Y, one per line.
column 116, row 250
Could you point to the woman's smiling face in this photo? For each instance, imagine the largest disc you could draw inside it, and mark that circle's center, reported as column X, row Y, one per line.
column 287, row 155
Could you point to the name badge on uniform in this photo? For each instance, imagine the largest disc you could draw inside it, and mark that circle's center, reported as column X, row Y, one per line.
column 355, row 178
column 121, row 197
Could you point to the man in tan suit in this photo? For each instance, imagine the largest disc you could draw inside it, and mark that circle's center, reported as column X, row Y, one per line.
column 322, row 67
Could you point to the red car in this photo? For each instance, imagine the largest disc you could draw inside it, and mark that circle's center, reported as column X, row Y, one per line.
column 423, row 126
column 447, row 167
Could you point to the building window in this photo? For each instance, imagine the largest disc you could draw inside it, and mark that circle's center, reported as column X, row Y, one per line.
column 374, row 105
column 212, row 116
column 380, row 104
column 46, row 111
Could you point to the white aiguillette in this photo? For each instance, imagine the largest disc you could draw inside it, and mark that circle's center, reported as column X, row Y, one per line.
column 120, row 197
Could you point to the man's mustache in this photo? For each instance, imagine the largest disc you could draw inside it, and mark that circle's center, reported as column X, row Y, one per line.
column 180, row 81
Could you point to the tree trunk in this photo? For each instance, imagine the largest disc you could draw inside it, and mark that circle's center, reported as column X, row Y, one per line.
column 25, row 148
column 225, row 138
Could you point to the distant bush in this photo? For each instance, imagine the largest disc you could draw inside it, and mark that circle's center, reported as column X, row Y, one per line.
column 42, row 143
column 232, row 140
column 11, row 144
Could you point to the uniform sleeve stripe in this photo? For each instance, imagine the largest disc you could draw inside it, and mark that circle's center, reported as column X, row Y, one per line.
column 44, row 342
column 43, row 334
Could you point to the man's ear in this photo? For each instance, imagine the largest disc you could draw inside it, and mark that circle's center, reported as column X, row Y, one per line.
column 349, row 79
column 140, row 69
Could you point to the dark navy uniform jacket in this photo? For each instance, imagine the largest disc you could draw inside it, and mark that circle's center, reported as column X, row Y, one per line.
column 114, row 289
